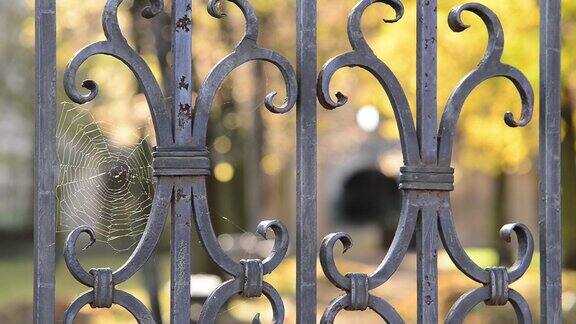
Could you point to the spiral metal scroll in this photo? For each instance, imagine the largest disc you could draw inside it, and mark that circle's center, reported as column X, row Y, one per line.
column 357, row 286
column 117, row 46
column 496, row 279
column 495, row 290
column 247, row 50
column 490, row 67
column 248, row 278
column 139, row 257
column 102, row 280
column 362, row 56
column 248, row 275
column 426, row 187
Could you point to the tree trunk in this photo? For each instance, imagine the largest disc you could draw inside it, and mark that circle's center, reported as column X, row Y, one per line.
column 254, row 147
column 499, row 218
column 568, row 182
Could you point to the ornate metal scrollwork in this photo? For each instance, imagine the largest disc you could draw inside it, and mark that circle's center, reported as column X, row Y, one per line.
column 249, row 278
column 497, row 279
column 117, row 46
column 426, row 186
column 172, row 161
column 248, row 275
column 103, row 281
column 362, row 56
column 358, row 285
column 247, row 50
column 489, row 67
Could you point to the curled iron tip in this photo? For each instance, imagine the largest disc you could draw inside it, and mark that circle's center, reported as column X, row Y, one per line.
column 79, row 98
column 269, row 103
column 90, row 231
column 525, row 248
column 215, row 9
column 154, row 8
column 341, row 98
column 263, row 227
column 327, row 259
column 455, row 20
column 281, row 242
column 398, row 9
column 511, row 121
column 343, row 237
column 71, row 257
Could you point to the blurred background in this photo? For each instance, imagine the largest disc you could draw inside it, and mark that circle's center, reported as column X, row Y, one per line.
column 104, row 153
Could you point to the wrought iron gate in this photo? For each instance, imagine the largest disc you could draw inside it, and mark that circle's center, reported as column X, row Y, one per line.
column 181, row 166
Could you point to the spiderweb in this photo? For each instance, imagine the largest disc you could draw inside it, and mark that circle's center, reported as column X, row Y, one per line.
column 102, row 183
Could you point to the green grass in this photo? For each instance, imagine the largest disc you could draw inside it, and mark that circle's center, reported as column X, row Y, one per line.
column 17, row 274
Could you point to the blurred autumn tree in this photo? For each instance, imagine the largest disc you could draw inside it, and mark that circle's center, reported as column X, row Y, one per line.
column 568, row 132
column 16, row 110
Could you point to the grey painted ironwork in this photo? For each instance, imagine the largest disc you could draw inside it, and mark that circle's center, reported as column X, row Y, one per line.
column 306, row 163
column 549, row 220
column 45, row 163
column 104, row 294
column 181, row 165
column 426, row 126
column 181, row 225
column 427, row 177
column 248, row 275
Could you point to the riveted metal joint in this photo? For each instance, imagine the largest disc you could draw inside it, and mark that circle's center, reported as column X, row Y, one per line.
column 180, row 161
column 427, row 178
column 253, row 276
column 358, row 291
column 103, row 288
column 499, row 283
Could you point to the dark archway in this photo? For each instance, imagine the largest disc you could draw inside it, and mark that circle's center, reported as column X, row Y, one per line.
column 370, row 197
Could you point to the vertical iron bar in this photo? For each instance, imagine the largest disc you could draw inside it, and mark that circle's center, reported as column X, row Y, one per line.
column 550, row 216
column 426, row 121
column 426, row 83
column 306, row 133
column 181, row 198
column 427, row 264
column 45, row 163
